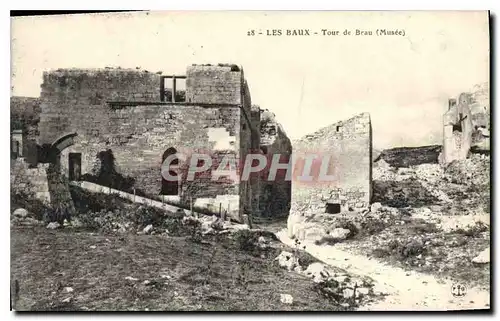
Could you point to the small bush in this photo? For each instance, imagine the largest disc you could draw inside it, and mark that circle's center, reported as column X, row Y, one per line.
column 413, row 248
column 88, row 220
column 194, row 230
column 381, row 252
column 474, row 230
column 404, row 250
column 346, row 224
column 371, row 226
column 131, row 218
column 425, row 228
column 246, row 240
column 144, row 216
column 57, row 214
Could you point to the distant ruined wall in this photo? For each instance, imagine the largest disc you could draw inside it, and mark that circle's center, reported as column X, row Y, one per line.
column 349, row 147
column 25, row 116
column 466, row 125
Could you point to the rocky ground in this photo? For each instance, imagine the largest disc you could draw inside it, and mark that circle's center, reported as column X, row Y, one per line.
column 427, row 233
column 426, row 219
column 114, row 256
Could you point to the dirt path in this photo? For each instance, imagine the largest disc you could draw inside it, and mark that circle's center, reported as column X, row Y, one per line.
column 405, row 290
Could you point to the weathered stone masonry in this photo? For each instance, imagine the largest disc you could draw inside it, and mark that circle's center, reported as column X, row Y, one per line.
column 466, row 125
column 122, row 111
column 348, row 145
column 275, row 196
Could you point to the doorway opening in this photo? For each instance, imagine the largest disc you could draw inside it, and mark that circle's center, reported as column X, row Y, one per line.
column 75, row 166
column 169, row 186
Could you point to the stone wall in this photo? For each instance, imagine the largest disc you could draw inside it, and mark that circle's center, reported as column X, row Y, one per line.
column 43, row 182
column 68, row 94
column 28, row 180
column 255, row 113
column 119, row 113
column 348, row 146
column 214, row 84
column 275, row 195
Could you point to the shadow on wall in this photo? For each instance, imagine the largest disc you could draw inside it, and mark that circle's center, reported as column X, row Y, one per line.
column 402, row 194
column 108, row 176
column 276, row 201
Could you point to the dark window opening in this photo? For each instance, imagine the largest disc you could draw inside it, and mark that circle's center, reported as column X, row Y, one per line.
column 173, row 89
column 332, row 208
column 457, row 127
column 338, row 128
column 15, row 149
column 75, row 166
column 272, row 131
column 451, row 103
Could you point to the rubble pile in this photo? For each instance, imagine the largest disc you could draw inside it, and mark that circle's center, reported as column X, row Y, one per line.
column 345, row 289
column 22, row 217
column 474, row 170
column 434, row 185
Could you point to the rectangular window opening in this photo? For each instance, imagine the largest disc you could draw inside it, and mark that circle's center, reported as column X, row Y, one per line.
column 173, row 89
column 332, row 208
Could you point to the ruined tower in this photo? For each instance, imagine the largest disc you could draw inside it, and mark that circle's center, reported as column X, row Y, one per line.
column 116, row 127
column 133, row 119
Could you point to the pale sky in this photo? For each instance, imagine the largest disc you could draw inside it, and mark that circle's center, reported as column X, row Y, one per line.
column 404, row 82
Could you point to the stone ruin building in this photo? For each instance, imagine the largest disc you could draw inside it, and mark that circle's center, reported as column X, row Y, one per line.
column 116, row 126
column 466, row 125
column 348, row 145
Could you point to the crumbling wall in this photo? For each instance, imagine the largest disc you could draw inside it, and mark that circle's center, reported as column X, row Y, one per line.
column 28, row 180
column 275, row 195
column 347, row 145
column 220, row 84
column 255, row 113
column 466, row 125
column 43, row 182
column 247, row 134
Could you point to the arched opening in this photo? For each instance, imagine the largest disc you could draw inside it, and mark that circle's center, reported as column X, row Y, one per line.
column 168, row 152
column 63, row 142
column 170, row 184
